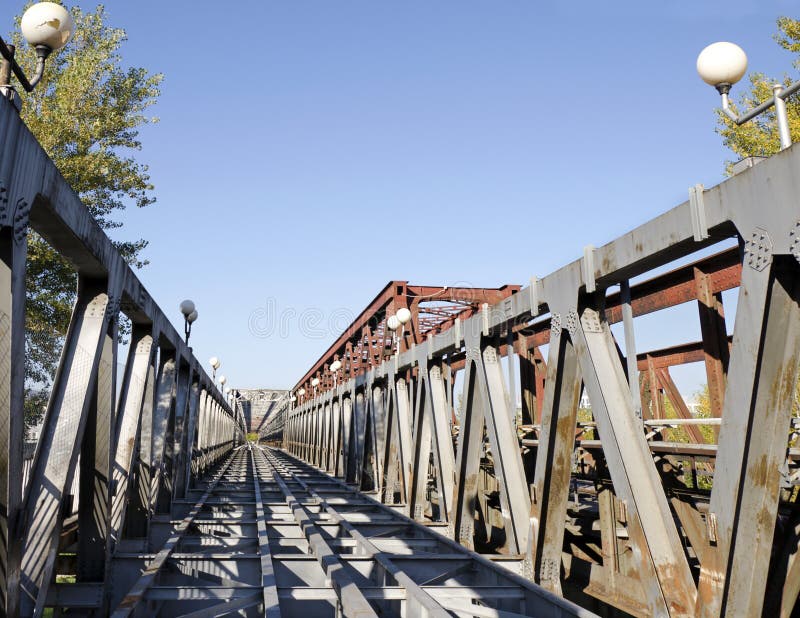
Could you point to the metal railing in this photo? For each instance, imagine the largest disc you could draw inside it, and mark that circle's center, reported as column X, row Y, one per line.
column 137, row 452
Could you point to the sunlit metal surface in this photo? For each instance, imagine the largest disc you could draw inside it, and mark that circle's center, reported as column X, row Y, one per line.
column 399, row 477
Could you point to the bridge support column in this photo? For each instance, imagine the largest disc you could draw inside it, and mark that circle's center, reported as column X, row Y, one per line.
column 163, row 430
column 136, row 396
column 432, row 433
column 13, row 253
column 485, row 403
column 667, row 580
column 62, row 433
column 559, row 415
column 183, row 456
column 97, row 448
column 752, row 443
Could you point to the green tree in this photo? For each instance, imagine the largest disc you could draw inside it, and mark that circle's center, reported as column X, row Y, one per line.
column 759, row 137
column 86, row 114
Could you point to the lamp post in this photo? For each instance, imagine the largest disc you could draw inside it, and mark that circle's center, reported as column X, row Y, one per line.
column 335, row 367
column 398, row 321
column 189, row 317
column 722, row 65
column 214, row 362
column 315, row 384
column 46, row 26
column 404, row 315
column 222, row 380
column 300, row 393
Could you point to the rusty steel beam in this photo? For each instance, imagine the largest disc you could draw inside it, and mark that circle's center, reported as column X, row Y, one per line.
column 678, row 286
column 363, row 344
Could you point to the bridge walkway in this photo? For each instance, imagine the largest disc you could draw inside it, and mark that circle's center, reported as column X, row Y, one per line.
column 267, row 534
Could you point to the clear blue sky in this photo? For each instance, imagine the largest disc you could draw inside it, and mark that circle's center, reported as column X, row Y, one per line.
column 310, row 151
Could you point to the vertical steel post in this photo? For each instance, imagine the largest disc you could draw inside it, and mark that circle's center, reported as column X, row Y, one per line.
column 12, row 392
column 630, row 347
column 94, row 540
column 13, row 255
column 781, row 117
column 554, row 460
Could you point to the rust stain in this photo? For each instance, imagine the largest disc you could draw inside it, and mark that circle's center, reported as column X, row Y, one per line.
column 759, row 471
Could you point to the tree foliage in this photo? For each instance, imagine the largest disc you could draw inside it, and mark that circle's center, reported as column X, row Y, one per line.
column 759, row 137
column 86, row 114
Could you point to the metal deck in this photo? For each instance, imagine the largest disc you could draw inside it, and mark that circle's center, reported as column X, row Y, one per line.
column 271, row 535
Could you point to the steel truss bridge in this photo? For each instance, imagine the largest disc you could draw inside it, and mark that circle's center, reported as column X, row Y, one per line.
column 408, row 482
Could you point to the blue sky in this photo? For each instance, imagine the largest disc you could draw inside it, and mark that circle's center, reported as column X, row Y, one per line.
column 310, row 151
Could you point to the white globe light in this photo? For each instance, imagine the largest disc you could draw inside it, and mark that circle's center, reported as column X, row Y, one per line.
column 187, row 307
column 404, row 315
column 192, row 317
column 315, row 382
column 722, row 63
column 47, row 23
column 336, row 366
column 227, row 390
column 214, row 362
column 292, row 398
column 222, row 379
column 301, row 392
column 392, row 322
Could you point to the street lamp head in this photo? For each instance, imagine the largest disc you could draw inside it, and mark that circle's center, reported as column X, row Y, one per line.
column 192, row 317
column 47, row 24
column 721, row 65
column 404, row 315
column 222, row 380
column 227, row 390
column 336, row 366
column 292, row 399
column 315, row 382
column 214, row 362
column 301, row 392
column 392, row 323
column 187, row 307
